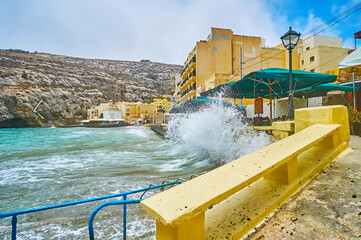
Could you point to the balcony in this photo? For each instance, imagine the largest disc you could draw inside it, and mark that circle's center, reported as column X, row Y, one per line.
column 190, row 94
column 189, row 67
column 192, row 77
column 190, row 80
column 191, row 91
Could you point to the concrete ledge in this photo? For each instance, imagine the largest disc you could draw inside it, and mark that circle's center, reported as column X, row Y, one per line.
column 161, row 129
column 288, row 126
column 283, row 129
column 280, row 130
column 260, row 128
column 250, row 206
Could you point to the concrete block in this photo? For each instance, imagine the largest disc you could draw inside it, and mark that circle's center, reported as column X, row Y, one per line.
column 337, row 114
column 283, row 126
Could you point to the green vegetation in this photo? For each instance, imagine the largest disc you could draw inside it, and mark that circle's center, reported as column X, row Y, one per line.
column 43, row 120
column 354, row 118
column 57, row 114
column 151, row 76
column 152, row 99
column 145, row 60
column 16, row 50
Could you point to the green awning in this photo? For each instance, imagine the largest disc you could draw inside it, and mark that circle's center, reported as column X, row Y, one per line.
column 257, row 84
column 322, row 90
column 316, row 91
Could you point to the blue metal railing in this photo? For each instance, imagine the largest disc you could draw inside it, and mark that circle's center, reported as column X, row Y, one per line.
column 110, row 203
column 123, row 202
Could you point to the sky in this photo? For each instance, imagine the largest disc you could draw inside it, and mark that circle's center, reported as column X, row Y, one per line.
column 159, row 30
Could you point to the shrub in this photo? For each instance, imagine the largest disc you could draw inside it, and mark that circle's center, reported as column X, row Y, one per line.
column 151, row 76
column 57, row 114
column 16, row 50
column 354, row 118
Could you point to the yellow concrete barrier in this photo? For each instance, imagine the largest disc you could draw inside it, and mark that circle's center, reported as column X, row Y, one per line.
column 229, row 201
column 283, row 129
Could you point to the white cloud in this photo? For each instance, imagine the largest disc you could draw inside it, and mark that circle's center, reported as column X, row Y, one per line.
column 159, row 30
column 314, row 25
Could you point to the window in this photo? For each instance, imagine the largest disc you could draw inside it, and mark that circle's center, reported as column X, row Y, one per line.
column 307, row 48
column 312, row 70
column 303, row 62
column 312, row 59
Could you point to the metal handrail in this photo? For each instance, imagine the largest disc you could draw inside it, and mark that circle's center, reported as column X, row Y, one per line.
column 110, row 203
column 124, row 195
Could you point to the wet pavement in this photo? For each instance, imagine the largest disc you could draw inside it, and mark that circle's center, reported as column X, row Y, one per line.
column 328, row 207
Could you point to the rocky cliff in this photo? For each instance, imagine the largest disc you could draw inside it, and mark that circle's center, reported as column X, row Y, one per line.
column 43, row 89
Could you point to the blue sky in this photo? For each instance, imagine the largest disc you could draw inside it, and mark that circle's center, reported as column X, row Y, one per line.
column 159, row 30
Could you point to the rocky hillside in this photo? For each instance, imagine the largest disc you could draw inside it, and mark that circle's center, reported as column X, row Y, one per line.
column 42, row 89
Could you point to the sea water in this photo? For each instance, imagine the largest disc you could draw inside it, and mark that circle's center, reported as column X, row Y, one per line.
column 45, row 166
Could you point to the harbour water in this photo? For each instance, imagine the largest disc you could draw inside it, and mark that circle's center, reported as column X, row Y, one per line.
column 44, row 166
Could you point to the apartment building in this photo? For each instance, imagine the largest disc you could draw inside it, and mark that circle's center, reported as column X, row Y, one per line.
column 96, row 111
column 161, row 105
column 320, row 53
column 215, row 61
column 225, row 57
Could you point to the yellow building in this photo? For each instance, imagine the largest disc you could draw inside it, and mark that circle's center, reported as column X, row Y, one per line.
column 161, row 105
column 97, row 111
column 132, row 111
column 129, row 111
column 135, row 111
column 92, row 113
column 274, row 57
column 321, row 54
column 217, row 60
column 145, row 111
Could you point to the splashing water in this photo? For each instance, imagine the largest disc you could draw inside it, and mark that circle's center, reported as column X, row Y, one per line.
column 218, row 130
column 45, row 166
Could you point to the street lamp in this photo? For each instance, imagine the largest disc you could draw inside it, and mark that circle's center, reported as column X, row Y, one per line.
column 289, row 40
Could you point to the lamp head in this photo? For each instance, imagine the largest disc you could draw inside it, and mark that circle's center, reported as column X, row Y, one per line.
column 290, row 39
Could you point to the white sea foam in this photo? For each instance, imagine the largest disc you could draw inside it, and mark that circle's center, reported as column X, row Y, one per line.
column 97, row 162
column 218, row 130
column 139, row 131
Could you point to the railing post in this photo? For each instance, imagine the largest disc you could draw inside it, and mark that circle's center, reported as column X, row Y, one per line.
column 125, row 218
column 191, row 229
column 13, row 229
column 285, row 173
column 98, row 208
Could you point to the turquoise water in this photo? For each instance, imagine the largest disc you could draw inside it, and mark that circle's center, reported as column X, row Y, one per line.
column 44, row 166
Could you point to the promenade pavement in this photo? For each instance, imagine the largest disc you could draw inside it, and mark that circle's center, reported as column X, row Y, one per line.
column 328, row 207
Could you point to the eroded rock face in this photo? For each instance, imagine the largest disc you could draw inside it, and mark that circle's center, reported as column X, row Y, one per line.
column 64, row 87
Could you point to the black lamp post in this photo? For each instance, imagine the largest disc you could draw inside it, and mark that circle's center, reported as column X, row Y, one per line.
column 289, row 40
